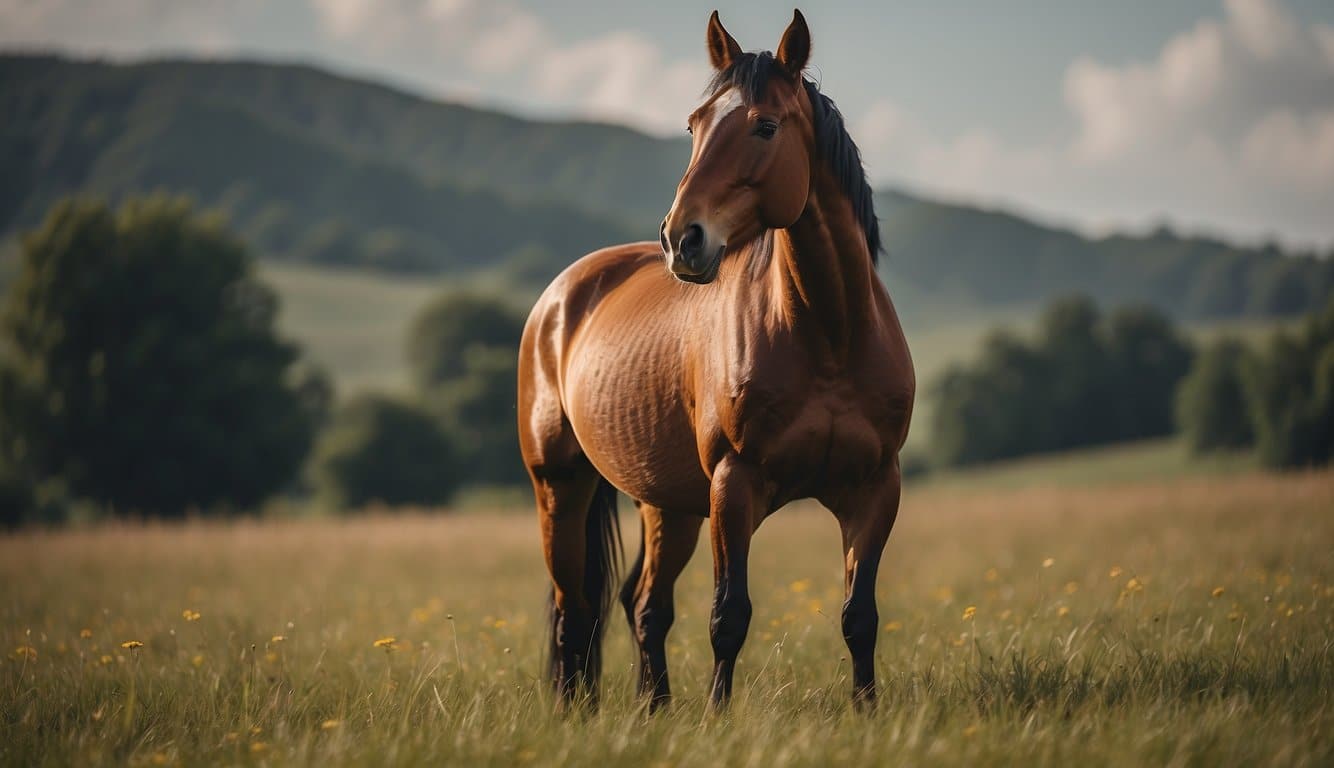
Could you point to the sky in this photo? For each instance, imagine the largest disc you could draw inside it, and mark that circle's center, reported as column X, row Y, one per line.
column 1213, row 116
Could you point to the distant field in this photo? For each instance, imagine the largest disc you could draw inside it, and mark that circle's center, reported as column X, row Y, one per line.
column 1148, row 461
column 353, row 322
column 1181, row 622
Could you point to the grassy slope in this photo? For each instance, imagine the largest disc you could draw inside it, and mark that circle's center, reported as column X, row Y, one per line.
column 1114, row 654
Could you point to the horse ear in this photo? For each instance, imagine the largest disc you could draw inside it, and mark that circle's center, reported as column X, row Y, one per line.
column 723, row 49
column 794, row 50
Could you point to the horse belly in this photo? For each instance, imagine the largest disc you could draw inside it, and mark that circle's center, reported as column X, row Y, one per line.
column 625, row 405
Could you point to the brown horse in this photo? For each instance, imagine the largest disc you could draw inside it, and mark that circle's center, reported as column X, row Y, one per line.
column 772, row 368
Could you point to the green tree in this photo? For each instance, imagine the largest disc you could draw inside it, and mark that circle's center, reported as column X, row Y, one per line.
column 1086, row 380
column 478, row 410
column 1291, row 394
column 1212, row 411
column 446, row 330
column 381, row 450
column 141, row 366
column 1147, row 359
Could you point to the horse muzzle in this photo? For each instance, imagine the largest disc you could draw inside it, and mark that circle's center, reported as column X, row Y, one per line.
column 692, row 258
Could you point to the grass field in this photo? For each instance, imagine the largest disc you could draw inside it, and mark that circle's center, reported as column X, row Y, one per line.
column 1171, row 622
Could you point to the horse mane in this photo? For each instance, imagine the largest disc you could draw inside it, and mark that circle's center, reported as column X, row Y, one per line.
column 750, row 73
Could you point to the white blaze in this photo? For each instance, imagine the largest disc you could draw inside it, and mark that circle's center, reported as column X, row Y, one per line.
column 722, row 107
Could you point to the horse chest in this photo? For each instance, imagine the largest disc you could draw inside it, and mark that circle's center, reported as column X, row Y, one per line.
column 810, row 442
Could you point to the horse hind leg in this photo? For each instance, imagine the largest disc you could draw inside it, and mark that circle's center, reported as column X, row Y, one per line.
column 629, row 599
column 581, row 540
column 668, row 542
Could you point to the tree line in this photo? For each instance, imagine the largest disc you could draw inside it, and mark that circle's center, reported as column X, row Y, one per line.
column 141, row 374
column 1088, row 378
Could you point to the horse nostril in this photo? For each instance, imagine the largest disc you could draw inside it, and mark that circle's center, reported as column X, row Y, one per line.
column 692, row 242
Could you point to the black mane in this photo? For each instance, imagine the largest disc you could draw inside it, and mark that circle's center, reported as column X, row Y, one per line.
column 750, row 73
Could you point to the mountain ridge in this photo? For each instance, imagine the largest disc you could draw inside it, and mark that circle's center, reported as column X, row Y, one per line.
column 403, row 182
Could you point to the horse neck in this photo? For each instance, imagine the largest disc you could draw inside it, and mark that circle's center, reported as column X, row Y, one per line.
column 823, row 274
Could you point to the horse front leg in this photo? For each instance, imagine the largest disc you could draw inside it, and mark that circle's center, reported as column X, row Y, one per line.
column 734, row 512
column 866, row 517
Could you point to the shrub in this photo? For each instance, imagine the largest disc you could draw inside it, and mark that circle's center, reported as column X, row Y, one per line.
column 380, row 450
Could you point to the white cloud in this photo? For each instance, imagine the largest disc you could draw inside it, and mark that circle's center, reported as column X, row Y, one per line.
column 125, row 26
column 622, row 76
column 1230, row 126
column 619, row 75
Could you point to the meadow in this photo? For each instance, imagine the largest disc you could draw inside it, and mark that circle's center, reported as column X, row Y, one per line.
column 1182, row 620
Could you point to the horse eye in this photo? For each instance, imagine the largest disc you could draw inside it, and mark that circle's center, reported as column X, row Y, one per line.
column 766, row 129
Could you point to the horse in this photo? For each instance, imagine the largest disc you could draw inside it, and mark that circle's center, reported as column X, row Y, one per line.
column 764, row 364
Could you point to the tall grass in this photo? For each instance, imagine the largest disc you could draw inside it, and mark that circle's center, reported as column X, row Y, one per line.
column 1178, row 623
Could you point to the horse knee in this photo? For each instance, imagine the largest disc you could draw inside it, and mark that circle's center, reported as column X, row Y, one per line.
column 653, row 619
column 728, row 627
column 860, row 619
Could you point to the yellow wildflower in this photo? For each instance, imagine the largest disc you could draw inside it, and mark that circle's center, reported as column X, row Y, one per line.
column 105, row 660
column 329, row 725
column 198, row 660
column 1115, row 572
column 26, row 652
column 894, row 626
column 190, row 615
column 1218, row 592
column 257, row 747
column 386, row 643
column 277, row 639
column 969, row 612
column 85, row 633
column 1063, row 611
column 131, row 644
column 1049, row 562
column 1071, row 587
column 1134, row 585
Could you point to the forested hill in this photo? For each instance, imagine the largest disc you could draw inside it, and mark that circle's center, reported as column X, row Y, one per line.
column 320, row 168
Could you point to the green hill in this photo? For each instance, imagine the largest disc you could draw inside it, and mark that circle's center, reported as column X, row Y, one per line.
column 316, row 168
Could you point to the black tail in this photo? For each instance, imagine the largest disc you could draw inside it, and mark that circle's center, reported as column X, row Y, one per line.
column 603, row 555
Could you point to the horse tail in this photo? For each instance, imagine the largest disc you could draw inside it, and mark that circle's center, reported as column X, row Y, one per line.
column 603, row 556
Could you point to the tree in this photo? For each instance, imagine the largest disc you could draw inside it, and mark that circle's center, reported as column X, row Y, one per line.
column 141, row 364
column 464, row 352
column 1212, row 412
column 445, row 331
column 1086, row 380
column 1291, row 395
column 381, row 450
column 478, row 410
column 1147, row 359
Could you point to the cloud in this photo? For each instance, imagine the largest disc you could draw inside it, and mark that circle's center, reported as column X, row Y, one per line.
column 625, row 77
column 124, row 26
column 1230, row 126
column 619, row 75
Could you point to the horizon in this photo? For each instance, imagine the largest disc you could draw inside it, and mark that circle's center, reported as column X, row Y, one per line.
column 1209, row 118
